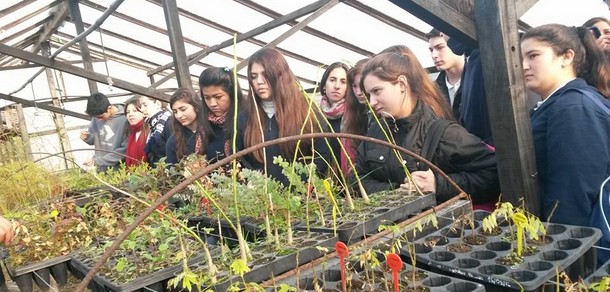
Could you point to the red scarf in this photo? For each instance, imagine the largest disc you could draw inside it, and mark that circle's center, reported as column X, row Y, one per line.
column 219, row 121
column 135, row 148
column 335, row 111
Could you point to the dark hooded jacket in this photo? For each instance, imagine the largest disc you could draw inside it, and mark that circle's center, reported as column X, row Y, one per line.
column 461, row 155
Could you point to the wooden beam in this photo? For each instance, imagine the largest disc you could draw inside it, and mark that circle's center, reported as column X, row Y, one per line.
column 506, row 100
column 254, row 32
column 15, row 7
column 52, row 25
column 23, row 31
column 443, row 17
column 393, row 22
column 23, row 129
column 172, row 19
column 28, row 16
column 82, row 44
column 44, row 106
column 4, row 49
column 522, row 6
column 294, row 29
column 15, row 67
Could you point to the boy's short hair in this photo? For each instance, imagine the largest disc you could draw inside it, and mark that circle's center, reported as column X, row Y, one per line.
column 434, row 33
column 97, row 104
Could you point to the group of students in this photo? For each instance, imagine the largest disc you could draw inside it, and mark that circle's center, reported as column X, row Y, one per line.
column 390, row 97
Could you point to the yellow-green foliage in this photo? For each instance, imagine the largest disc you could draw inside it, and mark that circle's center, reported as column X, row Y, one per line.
column 25, row 184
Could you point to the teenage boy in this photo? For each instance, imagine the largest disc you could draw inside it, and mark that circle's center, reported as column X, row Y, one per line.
column 106, row 132
column 451, row 67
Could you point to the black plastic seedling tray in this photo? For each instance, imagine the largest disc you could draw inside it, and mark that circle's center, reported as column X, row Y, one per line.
column 599, row 274
column 40, row 273
column 156, row 281
column 565, row 244
column 270, row 265
column 327, row 277
column 251, row 230
column 391, row 212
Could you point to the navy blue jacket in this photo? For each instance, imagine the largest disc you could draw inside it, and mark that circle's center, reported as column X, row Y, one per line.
column 442, row 85
column 214, row 149
column 160, row 131
column 572, row 143
column 272, row 132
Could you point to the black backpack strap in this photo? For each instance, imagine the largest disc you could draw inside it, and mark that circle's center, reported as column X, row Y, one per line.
column 432, row 139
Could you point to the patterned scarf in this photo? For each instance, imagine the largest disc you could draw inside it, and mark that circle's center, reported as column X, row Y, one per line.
column 219, row 121
column 135, row 148
column 335, row 111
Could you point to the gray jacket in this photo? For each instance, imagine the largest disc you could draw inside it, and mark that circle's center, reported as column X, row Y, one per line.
column 109, row 139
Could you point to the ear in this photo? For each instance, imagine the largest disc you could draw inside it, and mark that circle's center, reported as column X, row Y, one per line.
column 568, row 58
column 404, row 85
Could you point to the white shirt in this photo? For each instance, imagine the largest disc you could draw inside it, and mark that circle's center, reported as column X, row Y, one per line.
column 452, row 89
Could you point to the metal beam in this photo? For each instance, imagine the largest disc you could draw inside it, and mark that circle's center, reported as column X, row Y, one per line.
column 172, row 19
column 393, row 22
column 506, row 101
column 44, row 106
column 443, row 17
column 294, row 29
column 47, row 62
column 259, row 30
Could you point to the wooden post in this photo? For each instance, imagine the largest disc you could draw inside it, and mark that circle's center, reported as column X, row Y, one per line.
column 83, row 44
column 25, row 138
column 496, row 24
column 172, row 18
column 58, row 119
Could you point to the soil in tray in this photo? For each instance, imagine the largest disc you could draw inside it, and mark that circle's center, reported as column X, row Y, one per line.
column 510, row 260
column 459, row 247
column 542, row 240
column 494, row 232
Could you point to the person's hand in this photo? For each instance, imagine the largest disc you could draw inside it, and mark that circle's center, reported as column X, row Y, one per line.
column 424, row 180
column 84, row 135
column 6, row 231
column 89, row 162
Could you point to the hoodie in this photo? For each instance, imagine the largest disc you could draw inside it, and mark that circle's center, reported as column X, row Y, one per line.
column 109, row 139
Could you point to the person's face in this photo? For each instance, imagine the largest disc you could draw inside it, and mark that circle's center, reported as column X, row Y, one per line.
column 104, row 116
column 541, row 67
column 442, row 56
column 149, row 106
column 259, row 82
column 356, row 89
column 217, row 99
column 386, row 99
column 604, row 28
column 336, row 85
column 185, row 114
column 134, row 116
column 604, row 40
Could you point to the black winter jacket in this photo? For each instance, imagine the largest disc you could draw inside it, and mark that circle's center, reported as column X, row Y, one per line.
column 457, row 101
column 461, row 155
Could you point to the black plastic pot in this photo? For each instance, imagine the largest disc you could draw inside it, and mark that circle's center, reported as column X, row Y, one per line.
column 565, row 244
column 40, row 273
column 156, row 281
column 327, row 277
column 354, row 231
column 269, row 265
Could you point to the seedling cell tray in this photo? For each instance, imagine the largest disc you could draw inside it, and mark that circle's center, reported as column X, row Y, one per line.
column 268, row 265
column 391, row 212
column 599, row 274
column 565, row 244
column 40, row 273
column 156, row 281
column 251, row 230
column 327, row 277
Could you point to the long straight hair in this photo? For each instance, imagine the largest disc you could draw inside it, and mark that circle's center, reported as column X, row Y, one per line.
column 222, row 77
column 189, row 96
column 589, row 61
column 426, row 90
column 291, row 106
column 355, row 119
